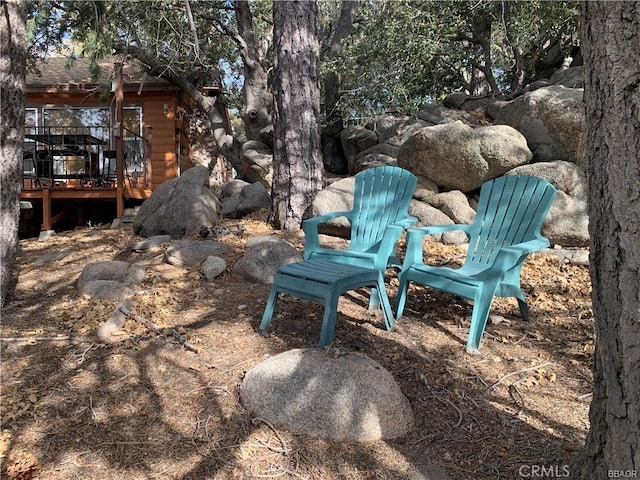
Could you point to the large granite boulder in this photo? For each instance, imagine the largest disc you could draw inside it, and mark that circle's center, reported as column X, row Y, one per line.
column 458, row 157
column 179, row 207
column 569, row 77
column 190, row 253
column 109, row 279
column 552, row 119
column 250, row 198
column 354, row 140
column 454, row 204
column 394, row 130
column 337, row 197
column 428, row 216
column 567, row 223
column 377, row 156
column 436, row 114
column 345, row 397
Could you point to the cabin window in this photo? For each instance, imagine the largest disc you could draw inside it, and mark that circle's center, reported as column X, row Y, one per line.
column 132, row 139
column 92, row 120
column 30, row 126
column 30, row 120
column 132, row 119
column 96, row 122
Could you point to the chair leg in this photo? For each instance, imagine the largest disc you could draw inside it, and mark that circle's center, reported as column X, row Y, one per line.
column 389, row 320
column 374, row 300
column 403, row 287
column 268, row 310
column 524, row 308
column 329, row 320
column 481, row 308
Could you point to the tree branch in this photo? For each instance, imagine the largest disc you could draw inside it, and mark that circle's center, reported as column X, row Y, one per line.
column 164, row 71
column 244, row 19
column 234, row 36
column 343, row 29
column 192, row 25
column 209, row 105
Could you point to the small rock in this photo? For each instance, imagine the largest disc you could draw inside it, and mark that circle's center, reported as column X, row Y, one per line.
column 212, row 267
column 151, row 243
column 111, row 331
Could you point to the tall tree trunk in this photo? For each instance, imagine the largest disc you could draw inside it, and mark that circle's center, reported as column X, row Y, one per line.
column 334, row 158
column 517, row 71
column 13, row 51
column 612, row 95
column 297, row 160
column 257, row 109
column 482, row 79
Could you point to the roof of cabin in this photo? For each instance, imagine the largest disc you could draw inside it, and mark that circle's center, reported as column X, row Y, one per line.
column 58, row 74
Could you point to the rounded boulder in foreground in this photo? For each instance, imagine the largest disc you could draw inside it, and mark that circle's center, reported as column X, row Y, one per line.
column 346, row 397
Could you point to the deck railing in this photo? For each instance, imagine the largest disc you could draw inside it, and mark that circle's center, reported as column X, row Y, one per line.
column 82, row 156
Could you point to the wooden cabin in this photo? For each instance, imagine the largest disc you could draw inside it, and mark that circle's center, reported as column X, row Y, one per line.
column 99, row 144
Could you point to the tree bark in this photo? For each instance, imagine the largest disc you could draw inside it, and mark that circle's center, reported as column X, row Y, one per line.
column 257, row 109
column 297, row 160
column 612, row 95
column 13, row 51
column 334, row 158
column 482, row 79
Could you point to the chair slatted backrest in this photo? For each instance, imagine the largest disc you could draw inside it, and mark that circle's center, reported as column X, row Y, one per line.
column 511, row 210
column 381, row 197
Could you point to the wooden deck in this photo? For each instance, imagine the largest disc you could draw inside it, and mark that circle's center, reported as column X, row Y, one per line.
column 49, row 195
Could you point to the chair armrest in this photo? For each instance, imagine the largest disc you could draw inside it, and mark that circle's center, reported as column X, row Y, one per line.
column 326, row 217
column 406, row 222
column 430, row 230
column 310, row 228
column 509, row 256
column 416, row 234
column 390, row 237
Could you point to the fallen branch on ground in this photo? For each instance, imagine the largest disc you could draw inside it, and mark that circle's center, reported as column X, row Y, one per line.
column 513, row 392
column 443, row 400
column 156, row 328
column 42, row 339
column 517, row 372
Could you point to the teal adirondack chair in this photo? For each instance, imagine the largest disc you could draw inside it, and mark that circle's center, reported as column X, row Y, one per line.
column 378, row 218
column 511, row 211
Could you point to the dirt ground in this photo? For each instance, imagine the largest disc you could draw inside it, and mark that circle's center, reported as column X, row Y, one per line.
column 148, row 408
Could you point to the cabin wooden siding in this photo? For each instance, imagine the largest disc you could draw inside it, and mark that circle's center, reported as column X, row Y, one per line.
column 164, row 163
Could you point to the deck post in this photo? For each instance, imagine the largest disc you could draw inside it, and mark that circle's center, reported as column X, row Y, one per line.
column 46, row 210
column 119, row 93
column 148, row 132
